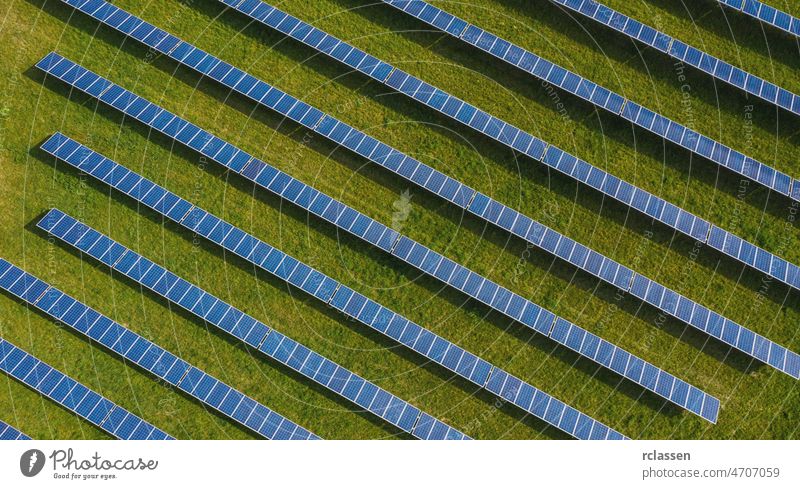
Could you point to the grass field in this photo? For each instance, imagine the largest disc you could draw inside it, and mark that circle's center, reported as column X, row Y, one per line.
column 757, row 402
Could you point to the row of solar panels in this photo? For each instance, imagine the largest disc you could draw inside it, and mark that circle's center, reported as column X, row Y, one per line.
column 72, row 395
column 683, row 394
column 8, row 432
column 452, row 107
column 145, row 354
column 766, row 14
column 424, row 259
column 254, row 333
column 368, row 312
column 596, row 94
column 512, row 137
column 667, row 301
column 679, row 50
column 445, row 187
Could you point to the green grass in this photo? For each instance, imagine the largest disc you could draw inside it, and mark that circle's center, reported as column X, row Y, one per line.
column 757, row 402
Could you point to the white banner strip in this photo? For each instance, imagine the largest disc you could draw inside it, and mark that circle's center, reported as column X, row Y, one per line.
column 400, row 464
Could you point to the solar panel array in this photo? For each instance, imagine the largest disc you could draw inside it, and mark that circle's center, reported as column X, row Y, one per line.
column 251, row 331
column 147, row 355
column 690, row 55
column 663, row 298
column 419, row 256
column 388, row 157
column 766, row 14
column 71, row 394
column 8, row 432
column 248, row 412
column 339, row 296
column 597, row 95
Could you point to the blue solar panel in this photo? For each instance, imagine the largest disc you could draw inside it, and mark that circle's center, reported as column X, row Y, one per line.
column 69, row 393
column 600, row 266
column 116, row 337
column 766, row 14
column 548, row 408
column 8, row 432
column 695, row 57
column 469, row 366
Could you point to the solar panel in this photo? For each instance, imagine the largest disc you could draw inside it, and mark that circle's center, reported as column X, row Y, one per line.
column 339, row 296
column 648, row 290
column 448, row 188
column 767, row 14
column 141, row 352
column 8, row 432
column 346, row 218
column 593, row 93
column 232, row 321
column 68, row 392
column 681, row 51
